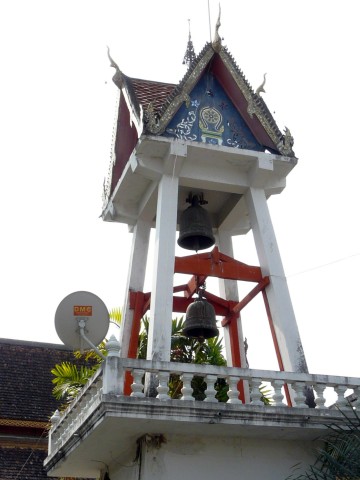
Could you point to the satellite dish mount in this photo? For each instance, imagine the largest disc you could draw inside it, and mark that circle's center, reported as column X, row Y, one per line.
column 82, row 321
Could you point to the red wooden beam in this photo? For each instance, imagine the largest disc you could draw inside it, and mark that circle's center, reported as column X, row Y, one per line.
column 240, row 305
column 193, row 284
column 136, row 323
column 276, row 345
column 235, row 352
column 216, row 264
column 137, row 300
column 180, row 304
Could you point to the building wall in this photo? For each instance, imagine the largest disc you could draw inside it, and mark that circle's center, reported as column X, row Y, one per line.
column 224, row 458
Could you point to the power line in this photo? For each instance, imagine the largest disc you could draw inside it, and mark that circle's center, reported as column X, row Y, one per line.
column 318, row 267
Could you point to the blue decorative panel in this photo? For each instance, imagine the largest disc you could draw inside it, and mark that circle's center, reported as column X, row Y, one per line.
column 211, row 118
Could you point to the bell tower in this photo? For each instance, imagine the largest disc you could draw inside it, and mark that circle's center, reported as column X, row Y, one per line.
column 202, row 157
column 195, row 163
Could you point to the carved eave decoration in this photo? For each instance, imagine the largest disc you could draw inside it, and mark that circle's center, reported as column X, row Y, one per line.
column 156, row 122
column 255, row 114
column 124, row 84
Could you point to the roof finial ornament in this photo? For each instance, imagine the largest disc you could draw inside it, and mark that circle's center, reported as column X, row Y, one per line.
column 190, row 54
column 216, row 43
column 118, row 77
column 261, row 89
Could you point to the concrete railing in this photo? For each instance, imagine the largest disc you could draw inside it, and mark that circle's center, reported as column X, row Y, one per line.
column 164, row 372
column 111, row 378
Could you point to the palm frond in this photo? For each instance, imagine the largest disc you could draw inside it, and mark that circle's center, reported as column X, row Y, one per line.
column 69, row 379
column 115, row 314
column 340, row 456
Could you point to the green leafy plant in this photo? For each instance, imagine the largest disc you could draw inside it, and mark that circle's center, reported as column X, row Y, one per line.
column 339, row 459
column 189, row 350
column 69, row 378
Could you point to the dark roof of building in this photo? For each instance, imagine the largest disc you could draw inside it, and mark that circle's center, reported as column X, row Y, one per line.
column 26, row 404
column 25, row 379
column 22, row 463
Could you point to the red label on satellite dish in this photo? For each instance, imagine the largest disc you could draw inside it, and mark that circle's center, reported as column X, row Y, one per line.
column 83, row 310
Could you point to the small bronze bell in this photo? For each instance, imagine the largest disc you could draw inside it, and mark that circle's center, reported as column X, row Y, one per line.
column 195, row 226
column 200, row 321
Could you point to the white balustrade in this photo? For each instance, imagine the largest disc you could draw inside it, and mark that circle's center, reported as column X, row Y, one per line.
column 233, row 392
column 67, row 423
column 320, row 399
column 356, row 396
column 163, row 388
column 210, row 391
column 278, row 397
column 187, row 390
column 255, row 391
column 137, row 386
column 299, row 396
column 342, row 402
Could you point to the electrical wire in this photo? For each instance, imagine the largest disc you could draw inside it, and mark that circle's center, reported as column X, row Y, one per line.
column 31, row 454
column 323, row 265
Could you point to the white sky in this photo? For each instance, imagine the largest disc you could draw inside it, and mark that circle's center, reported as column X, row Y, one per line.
column 57, row 106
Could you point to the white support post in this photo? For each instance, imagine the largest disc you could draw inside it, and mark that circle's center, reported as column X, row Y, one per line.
column 283, row 316
column 136, row 278
column 159, row 339
column 229, row 290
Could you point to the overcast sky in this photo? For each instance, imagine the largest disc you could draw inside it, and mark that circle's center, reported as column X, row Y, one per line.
column 57, row 108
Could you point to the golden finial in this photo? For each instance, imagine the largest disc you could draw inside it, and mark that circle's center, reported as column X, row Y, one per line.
column 216, row 43
column 261, row 89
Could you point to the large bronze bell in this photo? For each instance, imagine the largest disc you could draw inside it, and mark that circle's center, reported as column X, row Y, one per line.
column 200, row 321
column 195, row 226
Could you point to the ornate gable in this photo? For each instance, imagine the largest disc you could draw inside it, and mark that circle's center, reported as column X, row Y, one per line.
column 168, row 109
column 210, row 117
column 219, row 68
column 213, row 103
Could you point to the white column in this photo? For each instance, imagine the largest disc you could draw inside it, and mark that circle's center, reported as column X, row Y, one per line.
column 229, row 290
column 159, row 338
column 136, row 278
column 282, row 312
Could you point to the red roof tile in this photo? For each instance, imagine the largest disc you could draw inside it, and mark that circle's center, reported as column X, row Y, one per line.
column 147, row 91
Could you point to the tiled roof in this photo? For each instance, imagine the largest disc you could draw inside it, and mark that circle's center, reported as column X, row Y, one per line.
column 25, row 379
column 22, row 464
column 26, row 403
column 147, row 91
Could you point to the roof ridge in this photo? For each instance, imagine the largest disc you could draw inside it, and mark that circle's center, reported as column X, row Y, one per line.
column 188, row 73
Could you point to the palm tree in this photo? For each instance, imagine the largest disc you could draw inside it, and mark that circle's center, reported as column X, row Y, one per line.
column 69, row 378
column 340, row 457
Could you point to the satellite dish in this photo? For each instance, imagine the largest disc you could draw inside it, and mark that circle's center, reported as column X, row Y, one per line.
column 82, row 320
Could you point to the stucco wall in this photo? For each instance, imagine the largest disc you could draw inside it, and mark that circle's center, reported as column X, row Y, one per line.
column 216, row 458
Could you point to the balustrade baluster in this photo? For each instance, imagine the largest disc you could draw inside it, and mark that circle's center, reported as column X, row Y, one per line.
column 278, row 396
column 137, row 386
column 342, row 402
column 187, row 389
column 299, row 397
column 210, row 391
column 233, row 392
column 320, row 399
column 163, row 387
column 356, row 394
column 255, row 392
